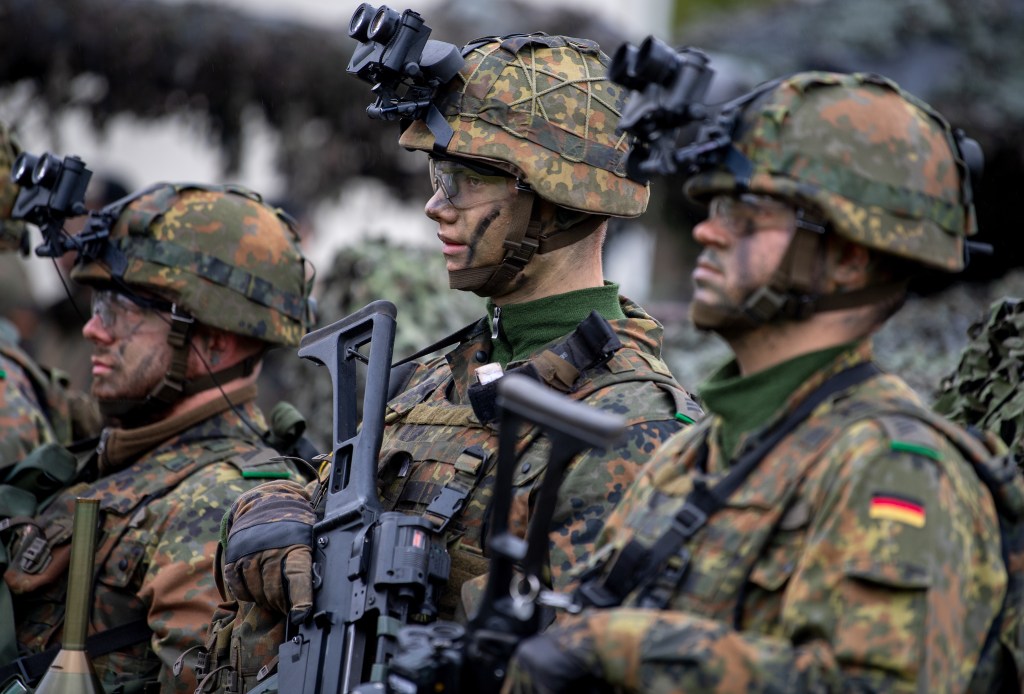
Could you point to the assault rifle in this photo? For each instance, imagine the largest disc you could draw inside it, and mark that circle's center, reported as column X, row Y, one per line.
column 447, row 657
column 373, row 571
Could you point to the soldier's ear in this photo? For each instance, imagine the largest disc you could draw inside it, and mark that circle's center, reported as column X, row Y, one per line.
column 849, row 263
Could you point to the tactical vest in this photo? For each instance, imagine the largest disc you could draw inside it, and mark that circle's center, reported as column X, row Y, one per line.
column 40, row 553
column 437, row 458
column 735, row 574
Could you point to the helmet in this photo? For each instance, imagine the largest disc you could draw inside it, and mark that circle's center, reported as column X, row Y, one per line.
column 217, row 252
column 884, row 169
column 13, row 235
column 542, row 108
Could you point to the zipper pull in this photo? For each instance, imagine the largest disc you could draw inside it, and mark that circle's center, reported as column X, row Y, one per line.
column 495, row 321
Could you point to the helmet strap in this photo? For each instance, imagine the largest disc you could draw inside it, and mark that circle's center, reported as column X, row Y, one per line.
column 520, row 245
column 174, row 386
column 525, row 237
column 794, row 291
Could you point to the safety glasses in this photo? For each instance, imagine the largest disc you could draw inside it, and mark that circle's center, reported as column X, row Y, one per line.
column 748, row 213
column 118, row 312
column 466, row 186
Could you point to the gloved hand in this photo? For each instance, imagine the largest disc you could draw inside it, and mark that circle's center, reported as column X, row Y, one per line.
column 559, row 660
column 268, row 559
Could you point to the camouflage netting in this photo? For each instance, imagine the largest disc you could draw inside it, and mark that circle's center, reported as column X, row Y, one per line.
column 413, row 278
column 985, row 391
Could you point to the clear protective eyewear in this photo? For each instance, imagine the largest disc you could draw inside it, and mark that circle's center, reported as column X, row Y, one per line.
column 466, row 186
column 745, row 214
column 116, row 310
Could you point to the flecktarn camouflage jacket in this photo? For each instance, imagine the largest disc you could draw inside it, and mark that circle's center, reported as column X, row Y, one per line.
column 863, row 553
column 434, row 441
column 161, row 505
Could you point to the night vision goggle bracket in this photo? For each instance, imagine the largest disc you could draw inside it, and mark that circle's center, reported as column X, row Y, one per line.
column 51, row 191
column 405, row 67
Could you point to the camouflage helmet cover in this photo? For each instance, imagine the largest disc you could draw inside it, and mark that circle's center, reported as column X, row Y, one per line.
column 11, row 232
column 219, row 253
column 541, row 107
column 879, row 163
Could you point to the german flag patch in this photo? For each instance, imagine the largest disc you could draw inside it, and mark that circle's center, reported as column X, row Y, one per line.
column 897, row 508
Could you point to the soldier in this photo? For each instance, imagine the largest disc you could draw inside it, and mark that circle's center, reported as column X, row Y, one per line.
column 33, row 405
column 821, row 530
column 193, row 285
column 522, row 196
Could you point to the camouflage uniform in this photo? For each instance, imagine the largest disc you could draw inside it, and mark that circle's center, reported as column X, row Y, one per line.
column 33, row 409
column 862, row 551
column 434, row 443
column 211, row 255
column 540, row 109
column 161, row 510
column 24, row 389
column 802, row 582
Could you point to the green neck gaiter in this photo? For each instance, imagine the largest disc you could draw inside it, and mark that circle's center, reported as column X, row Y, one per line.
column 525, row 328
column 747, row 403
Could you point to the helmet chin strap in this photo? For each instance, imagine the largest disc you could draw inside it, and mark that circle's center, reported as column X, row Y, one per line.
column 174, row 387
column 526, row 236
column 794, row 292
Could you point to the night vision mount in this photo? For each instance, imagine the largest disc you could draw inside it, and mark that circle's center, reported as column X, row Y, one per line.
column 669, row 92
column 51, row 191
column 405, row 67
column 675, row 130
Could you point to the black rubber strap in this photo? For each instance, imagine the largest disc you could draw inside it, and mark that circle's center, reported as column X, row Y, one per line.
column 453, row 339
column 33, row 667
column 637, row 564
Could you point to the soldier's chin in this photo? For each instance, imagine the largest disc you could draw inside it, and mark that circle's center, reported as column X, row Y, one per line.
column 718, row 319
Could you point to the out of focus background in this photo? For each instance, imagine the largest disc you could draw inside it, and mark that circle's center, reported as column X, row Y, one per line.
column 255, row 92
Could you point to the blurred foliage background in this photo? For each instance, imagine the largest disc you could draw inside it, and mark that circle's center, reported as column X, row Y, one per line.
column 216, row 67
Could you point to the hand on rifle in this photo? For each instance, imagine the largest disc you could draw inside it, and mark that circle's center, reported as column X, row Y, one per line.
column 557, row 661
column 267, row 539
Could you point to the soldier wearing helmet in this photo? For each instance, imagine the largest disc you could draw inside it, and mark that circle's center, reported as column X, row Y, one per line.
column 36, row 404
column 820, row 529
column 191, row 286
column 523, row 189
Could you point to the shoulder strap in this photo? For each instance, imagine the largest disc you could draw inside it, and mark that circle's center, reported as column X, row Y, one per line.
column 638, row 563
column 453, row 339
column 591, row 344
column 31, row 667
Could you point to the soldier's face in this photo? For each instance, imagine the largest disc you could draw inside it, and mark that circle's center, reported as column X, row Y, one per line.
column 130, row 350
column 472, row 211
column 744, row 240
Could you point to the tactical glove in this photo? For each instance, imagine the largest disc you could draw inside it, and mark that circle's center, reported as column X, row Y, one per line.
column 558, row 661
column 267, row 538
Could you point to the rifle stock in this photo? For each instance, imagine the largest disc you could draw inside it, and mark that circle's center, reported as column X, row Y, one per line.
column 372, row 571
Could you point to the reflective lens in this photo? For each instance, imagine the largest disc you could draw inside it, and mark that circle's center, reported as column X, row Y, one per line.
column 746, row 214
column 116, row 311
column 466, row 187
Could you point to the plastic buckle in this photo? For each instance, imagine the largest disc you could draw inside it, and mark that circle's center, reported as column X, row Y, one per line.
column 36, row 556
column 689, row 520
column 445, row 505
column 659, row 593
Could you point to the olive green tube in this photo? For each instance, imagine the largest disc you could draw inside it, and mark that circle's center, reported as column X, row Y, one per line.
column 71, row 671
